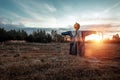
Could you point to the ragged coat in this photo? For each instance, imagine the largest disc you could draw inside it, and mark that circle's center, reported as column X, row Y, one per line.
column 77, row 41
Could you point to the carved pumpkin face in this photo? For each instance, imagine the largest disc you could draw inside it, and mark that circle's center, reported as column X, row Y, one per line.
column 76, row 26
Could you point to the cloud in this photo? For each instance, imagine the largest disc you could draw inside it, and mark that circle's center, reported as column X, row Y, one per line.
column 9, row 13
column 112, row 24
column 109, row 12
column 40, row 14
column 50, row 7
column 112, row 7
column 102, row 27
column 35, row 9
column 3, row 20
column 8, row 16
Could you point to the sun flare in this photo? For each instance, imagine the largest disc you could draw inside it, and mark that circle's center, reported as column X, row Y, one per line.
column 94, row 37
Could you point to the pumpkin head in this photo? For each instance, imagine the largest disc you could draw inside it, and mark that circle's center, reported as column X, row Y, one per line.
column 76, row 26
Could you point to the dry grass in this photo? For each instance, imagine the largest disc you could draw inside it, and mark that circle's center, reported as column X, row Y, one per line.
column 43, row 62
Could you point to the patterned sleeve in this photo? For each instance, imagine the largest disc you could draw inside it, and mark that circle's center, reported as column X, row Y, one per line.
column 67, row 33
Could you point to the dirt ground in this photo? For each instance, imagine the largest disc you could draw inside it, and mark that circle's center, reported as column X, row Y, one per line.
column 35, row 61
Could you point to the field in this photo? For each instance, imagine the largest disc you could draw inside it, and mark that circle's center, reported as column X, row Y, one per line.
column 35, row 61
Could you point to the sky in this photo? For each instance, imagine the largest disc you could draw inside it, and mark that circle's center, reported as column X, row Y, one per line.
column 102, row 14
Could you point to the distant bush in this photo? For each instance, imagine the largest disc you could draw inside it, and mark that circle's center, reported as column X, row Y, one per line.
column 3, row 35
column 39, row 36
column 17, row 35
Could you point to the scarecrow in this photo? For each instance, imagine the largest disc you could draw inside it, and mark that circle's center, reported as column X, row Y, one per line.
column 77, row 40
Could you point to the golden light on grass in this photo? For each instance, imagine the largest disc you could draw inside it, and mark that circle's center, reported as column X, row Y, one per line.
column 94, row 47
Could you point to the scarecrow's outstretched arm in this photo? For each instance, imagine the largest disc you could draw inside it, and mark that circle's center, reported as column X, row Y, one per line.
column 67, row 33
column 86, row 33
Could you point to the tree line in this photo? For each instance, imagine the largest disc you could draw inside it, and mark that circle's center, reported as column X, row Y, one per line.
column 40, row 36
